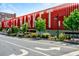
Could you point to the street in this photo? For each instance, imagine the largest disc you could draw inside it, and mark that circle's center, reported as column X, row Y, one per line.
column 14, row 46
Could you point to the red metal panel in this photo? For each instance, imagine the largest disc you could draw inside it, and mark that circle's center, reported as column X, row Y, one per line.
column 54, row 20
column 14, row 23
column 66, row 11
column 22, row 19
column 61, row 22
column 3, row 23
column 73, row 7
column 18, row 21
column 45, row 16
column 62, row 12
column 60, row 17
column 9, row 23
column 25, row 18
column 76, row 5
column 70, row 8
column 37, row 15
column 31, row 21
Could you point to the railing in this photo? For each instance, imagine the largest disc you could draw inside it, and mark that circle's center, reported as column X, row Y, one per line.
column 73, row 34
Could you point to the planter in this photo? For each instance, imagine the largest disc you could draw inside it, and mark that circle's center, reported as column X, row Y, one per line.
column 12, row 34
column 20, row 34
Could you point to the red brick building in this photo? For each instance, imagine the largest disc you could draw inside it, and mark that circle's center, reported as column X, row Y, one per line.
column 6, row 16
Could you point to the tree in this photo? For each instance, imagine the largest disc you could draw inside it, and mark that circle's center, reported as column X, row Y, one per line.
column 40, row 24
column 72, row 21
column 24, row 27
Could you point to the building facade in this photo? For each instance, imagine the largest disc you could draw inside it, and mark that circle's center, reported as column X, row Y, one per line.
column 53, row 17
column 6, row 16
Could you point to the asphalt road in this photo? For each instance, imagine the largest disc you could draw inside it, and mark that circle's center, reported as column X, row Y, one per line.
column 12, row 46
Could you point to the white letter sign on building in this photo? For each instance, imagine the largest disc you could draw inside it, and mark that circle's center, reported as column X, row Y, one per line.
column 49, row 18
column 20, row 21
column 29, row 19
column 24, row 19
column 34, row 15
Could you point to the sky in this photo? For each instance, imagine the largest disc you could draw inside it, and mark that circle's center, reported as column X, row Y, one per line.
column 25, row 8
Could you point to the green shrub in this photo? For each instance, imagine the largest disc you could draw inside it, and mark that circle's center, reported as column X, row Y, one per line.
column 9, row 31
column 0, row 28
column 61, row 37
column 39, row 35
column 45, row 35
column 27, row 35
column 13, row 29
column 52, row 38
column 34, row 35
column 68, row 37
column 40, row 24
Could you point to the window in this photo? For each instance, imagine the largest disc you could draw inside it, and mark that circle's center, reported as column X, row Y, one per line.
column 0, row 16
column 3, row 14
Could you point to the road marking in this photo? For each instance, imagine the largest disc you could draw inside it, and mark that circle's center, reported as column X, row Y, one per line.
column 72, row 53
column 64, row 44
column 51, row 48
column 24, row 52
column 25, row 47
